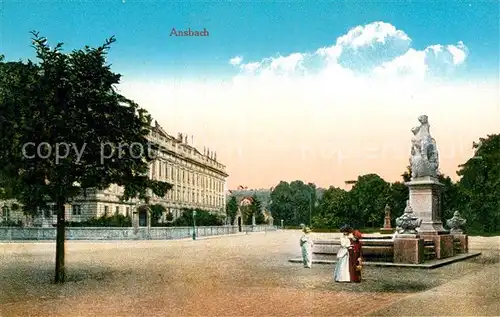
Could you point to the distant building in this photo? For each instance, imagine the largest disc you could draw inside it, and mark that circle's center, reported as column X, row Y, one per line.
column 198, row 181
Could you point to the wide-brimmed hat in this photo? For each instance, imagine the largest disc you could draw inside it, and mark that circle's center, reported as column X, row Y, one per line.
column 345, row 228
column 307, row 230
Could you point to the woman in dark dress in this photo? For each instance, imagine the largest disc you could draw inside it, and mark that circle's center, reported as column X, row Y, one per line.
column 355, row 260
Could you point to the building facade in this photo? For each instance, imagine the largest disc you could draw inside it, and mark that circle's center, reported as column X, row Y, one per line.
column 198, row 181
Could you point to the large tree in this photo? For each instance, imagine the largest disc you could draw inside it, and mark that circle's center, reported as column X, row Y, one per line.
column 334, row 209
column 68, row 108
column 479, row 186
column 281, row 204
column 369, row 196
column 399, row 194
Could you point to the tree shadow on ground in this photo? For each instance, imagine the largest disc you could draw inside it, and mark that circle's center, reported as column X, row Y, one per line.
column 36, row 281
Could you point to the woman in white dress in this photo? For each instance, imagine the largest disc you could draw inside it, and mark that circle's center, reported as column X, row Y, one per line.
column 341, row 273
column 306, row 244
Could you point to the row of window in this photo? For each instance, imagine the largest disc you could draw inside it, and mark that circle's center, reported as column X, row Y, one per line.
column 166, row 171
column 193, row 196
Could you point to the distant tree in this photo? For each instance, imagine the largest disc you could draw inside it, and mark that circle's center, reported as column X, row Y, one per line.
column 479, row 186
column 70, row 100
column 369, row 196
column 334, row 209
column 281, row 203
column 257, row 210
column 232, row 208
column 449, row 197
column 399, row 194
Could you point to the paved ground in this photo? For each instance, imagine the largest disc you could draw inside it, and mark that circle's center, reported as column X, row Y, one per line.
column 246, row 275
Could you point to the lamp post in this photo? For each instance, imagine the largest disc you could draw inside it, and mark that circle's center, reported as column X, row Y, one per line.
column 310, row 209
column 194, row 224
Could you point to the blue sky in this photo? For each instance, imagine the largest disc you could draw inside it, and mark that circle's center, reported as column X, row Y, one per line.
column 323, row 68
column 253, row 29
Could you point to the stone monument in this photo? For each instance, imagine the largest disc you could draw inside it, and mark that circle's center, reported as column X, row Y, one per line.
column 408, row 245
column 425, row 189
column 387, row 221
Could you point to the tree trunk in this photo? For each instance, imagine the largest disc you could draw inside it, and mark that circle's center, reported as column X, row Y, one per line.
column 60, row 239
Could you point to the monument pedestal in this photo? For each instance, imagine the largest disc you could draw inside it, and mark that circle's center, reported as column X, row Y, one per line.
column 462, row 241
column 408, row 249
column 443, row 244
column 425, row 199
column 387, row 230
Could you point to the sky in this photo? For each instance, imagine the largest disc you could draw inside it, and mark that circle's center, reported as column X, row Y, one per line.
column 285, row 90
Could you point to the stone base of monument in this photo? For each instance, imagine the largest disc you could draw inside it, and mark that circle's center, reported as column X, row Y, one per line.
column 387, row 230
column 379, row 251
column 461, row 243
column 443, row 244
column 408, row 248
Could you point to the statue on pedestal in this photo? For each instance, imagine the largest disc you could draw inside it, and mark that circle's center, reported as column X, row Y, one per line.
column 424, row 159
column 456, row 223
column 387, row 221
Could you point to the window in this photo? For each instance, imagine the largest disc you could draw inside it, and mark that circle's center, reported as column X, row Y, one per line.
column 76, row 210
column 117, row 210
column 127, row 211
column 106, row 210
column 159, row 169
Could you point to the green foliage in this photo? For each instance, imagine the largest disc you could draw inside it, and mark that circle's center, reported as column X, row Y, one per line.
column 203, row 218
column 399, row 194
column 335, row 209
column 156, row 211
column 232, row 208
column 368, row 197
column 116, row 220
column 294, row 202
column 256, row 209
column 479, row 187
column 169, row 216
column 10, row 223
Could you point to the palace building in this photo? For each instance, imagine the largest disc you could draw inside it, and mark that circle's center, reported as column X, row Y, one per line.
column 198, row 181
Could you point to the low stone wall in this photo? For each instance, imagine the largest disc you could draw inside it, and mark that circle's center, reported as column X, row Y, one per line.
column 127, row 233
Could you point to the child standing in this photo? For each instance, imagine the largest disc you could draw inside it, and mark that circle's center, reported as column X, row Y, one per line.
column 306, row 244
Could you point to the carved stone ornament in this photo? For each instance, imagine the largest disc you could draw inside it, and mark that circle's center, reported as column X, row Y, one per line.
column 456, row 223
column 408, row 222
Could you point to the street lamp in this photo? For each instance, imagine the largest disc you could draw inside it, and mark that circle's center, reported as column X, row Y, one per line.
column 310, row 209
column 194, row 224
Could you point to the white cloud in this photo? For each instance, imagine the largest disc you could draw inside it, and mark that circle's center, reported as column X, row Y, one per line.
column 377, row 49
column 369, row 84
column 236, row 60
